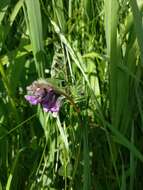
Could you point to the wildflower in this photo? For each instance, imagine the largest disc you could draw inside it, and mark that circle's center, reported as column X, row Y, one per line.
column 39, row 92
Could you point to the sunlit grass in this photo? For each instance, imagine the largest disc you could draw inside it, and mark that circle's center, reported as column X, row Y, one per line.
column 91, row 52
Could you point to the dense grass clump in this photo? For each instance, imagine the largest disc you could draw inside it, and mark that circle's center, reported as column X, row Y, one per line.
column 84, row 130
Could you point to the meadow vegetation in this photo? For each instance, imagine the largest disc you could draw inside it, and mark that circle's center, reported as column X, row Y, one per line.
column 91, row 52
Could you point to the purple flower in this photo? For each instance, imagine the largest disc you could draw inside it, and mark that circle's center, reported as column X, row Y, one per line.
column 32, row 99
column 40, row 92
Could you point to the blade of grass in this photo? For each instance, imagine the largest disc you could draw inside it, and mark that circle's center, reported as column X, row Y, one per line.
column 8, row 90
column 132, row 161
column 34, row 23
column 138, row 25
column 111, row 20
column 12, row 172
column 59, row 13
column 121, row 139
column 16, row 10
column 86, row 160
column 3, row 8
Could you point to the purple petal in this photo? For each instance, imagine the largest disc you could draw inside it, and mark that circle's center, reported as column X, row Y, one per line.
column 56, row 107
column 32, row 99
column 51, row 106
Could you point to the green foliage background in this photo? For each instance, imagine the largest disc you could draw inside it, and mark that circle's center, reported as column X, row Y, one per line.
column 93, row 51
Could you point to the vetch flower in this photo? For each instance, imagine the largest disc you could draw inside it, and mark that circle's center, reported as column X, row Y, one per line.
column 40, row 92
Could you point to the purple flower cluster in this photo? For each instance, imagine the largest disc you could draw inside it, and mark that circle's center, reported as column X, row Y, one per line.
column 41, row 93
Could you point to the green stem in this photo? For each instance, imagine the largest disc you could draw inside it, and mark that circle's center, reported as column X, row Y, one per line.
column 8, row 89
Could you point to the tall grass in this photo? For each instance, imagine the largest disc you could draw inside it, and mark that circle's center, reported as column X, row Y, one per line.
column 92, row 51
